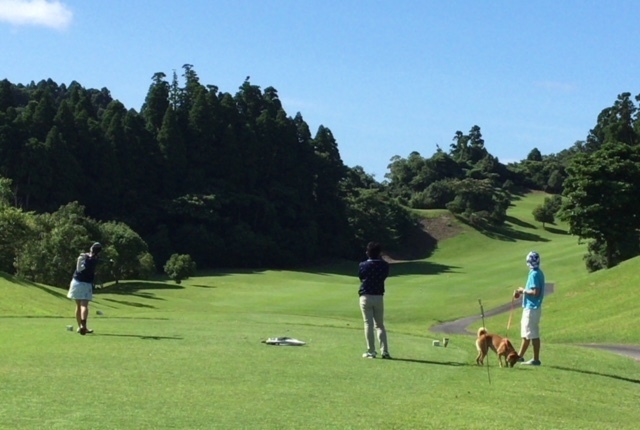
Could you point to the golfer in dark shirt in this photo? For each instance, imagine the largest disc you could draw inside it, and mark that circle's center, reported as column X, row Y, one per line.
column 372, row 274
column 81, row 287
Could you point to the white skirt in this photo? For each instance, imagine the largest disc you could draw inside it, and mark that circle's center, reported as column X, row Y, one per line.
column 80, row 290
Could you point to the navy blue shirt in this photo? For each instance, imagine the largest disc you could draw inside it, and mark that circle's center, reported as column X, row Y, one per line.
column 86, row 268
column 373, row 273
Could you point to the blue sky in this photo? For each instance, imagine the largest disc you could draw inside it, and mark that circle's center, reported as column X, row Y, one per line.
column 387, row 77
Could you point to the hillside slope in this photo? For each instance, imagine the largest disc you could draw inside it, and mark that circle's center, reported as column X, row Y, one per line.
column 465, row 266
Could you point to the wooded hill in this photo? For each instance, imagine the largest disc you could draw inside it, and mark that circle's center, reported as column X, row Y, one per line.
column 233, row 180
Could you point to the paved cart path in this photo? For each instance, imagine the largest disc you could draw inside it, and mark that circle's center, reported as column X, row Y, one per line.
column 460, row 327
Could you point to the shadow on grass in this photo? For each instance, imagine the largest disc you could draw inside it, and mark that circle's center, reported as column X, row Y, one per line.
column 503, row 232
column 328, row 267
column 47, row 289
column 420, row 245
column 35, row 316
column 127, row 303
column 557, row 231
column 589, row 372
column 71, row 316
column 350, row 268
column 50, row 290
column 128, row 287
column 140, row 336
column 520, row 223
column 203, row 286
column 139, row 318
column 438, row 363
column 15, row 279
column 136, row 289
column 518, row 193
column 420, row 268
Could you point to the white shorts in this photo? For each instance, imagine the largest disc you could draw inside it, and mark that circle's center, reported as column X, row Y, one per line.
column 530, row 324
column 80, row 290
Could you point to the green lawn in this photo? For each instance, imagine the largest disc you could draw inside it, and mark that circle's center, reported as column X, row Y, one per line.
column 190, row 356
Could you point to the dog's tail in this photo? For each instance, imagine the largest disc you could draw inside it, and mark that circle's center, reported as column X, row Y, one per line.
column 482, row 331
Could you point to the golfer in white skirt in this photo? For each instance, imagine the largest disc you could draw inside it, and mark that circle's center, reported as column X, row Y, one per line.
column 81, row 287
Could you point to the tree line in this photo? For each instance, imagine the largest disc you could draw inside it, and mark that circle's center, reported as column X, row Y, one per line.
column 595, row 183
column 229, row 179
column 232, row 180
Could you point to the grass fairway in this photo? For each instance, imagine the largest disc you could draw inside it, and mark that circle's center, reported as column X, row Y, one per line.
column 190, row 356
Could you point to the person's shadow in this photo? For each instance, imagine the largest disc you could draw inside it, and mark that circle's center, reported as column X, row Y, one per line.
column 589, row 372
column 143, row 337
column 438, row 363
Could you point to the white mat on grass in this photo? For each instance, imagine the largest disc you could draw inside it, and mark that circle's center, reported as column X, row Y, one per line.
column 284, row 341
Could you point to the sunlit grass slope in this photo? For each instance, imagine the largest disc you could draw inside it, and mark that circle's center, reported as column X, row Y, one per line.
column 190, row 356
column 601, row 308
column 486, row 265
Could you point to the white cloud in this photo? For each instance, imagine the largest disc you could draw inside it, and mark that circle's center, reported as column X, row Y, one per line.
column 53, row 14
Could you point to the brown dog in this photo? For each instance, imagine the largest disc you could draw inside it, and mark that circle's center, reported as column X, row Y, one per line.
column 500, row 345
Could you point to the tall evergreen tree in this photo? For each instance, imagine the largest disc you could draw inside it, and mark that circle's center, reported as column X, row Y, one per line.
column 174, row 154
column 156, row 103
column 615, row 124
column 34, row 177
column 330, row 207
column 11, row 145
column 66, row 172
column 200, row 142
column 143, row 186
column 112, row 123
column 7, row 99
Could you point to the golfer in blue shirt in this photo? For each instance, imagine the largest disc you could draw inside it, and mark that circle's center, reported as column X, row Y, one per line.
column 533, row 294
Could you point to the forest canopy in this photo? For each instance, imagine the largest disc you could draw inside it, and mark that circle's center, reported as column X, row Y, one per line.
column 234, row 181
